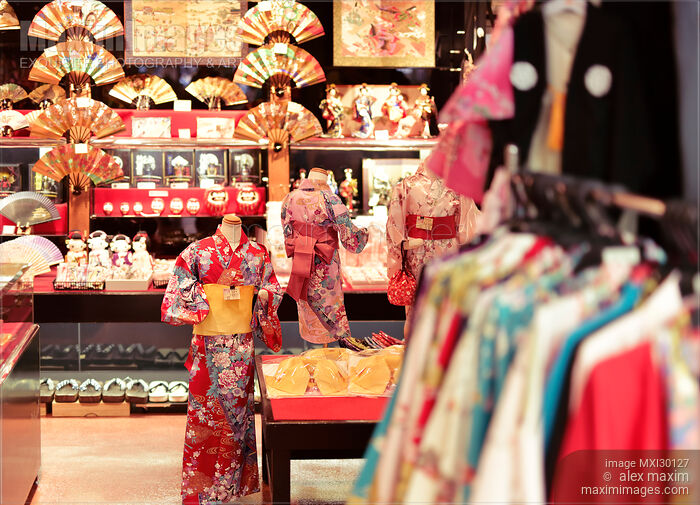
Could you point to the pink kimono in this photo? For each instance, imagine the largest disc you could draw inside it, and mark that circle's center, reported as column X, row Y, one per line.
column 315, row 220
column 422, row 207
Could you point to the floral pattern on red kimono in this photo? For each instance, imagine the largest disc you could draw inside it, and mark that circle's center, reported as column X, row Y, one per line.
column 322, row 316
column 220, row 459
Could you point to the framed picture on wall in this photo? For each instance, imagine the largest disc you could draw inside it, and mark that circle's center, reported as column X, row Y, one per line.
column 384, row 33
column 183, row 32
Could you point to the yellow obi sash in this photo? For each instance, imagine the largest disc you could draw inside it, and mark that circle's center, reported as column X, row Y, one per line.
column 226, row 317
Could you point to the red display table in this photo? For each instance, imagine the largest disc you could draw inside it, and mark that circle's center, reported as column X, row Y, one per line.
column 311, row 428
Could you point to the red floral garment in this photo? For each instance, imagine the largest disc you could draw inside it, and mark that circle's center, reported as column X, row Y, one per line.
column 220, row 459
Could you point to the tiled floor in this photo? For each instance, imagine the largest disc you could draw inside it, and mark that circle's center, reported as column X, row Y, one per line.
column 136, row 460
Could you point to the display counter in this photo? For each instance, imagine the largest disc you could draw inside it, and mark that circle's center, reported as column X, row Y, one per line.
column 20, row 430
column 311, row 428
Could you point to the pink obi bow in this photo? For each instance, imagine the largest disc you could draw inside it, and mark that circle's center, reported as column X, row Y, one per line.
column 307, row 241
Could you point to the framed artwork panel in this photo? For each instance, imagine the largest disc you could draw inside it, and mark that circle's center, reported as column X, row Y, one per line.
column 384, row 33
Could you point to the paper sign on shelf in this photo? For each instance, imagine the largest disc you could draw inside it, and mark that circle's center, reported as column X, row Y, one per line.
column 120, row 185
column 182, row 105
column 8, row 229
column 83, row 101
column 158, row 194
column 146, row 185
column 179, row 185
column 206, row 183
column 184, row 133
column 279, row 48
column 81, row 148
column 381, row 134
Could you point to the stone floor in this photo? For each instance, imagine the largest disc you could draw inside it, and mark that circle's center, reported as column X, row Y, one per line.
column 137, row 460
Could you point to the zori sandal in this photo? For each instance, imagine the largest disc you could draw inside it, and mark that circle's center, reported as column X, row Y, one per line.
column 90, row 392
column 67, row 391
column 158, row 392
column 136, row 390
column 114, row 391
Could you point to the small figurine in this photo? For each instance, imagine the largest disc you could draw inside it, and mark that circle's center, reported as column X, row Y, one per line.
column 426, row 112
column 362, row 112
column 141, row 261
column 99, row 255
column 333, row 112
column 394, row 108
column 348, row 189
column 121, row 251
column 331, row 182
column 76, row 255
column 302, row 176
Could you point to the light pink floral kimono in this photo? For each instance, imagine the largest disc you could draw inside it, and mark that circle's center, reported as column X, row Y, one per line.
column 315, row 220
column 424, row 194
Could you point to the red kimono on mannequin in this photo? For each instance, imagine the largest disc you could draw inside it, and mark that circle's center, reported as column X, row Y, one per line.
column 213, row 287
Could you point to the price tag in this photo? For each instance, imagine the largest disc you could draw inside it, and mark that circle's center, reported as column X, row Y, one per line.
column 179, row 185
column 146, row 185
column 184, row 133
column 182, row 105
column 206, row 183
column 120, row 185
column 83, row 101
column 8, row 229
column 424, row 223
column 265, row 6
column 158, row 194
column 81, row 148
column 232, row 293
column 621, row 255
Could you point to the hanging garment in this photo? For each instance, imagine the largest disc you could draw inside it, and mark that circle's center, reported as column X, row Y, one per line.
column 212, row 288
column 315, row 222
column 421, row 207
column 607, row 132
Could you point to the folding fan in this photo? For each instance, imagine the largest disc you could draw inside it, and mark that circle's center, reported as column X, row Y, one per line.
column 214, row 90
column 47, row 94
column 17, row 252
column 27, row 208
column 80, row 60
column 78, row 19
column 11, row 120
column 8, row 18
column 279, row 19
column 138, row 89
column 11, row 93
column 80, row 117
column 48, row 250
column 80, row 165
column 278, row 122
column 280, row 64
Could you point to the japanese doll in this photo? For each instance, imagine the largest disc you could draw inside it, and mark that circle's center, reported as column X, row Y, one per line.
column 362, row 112
column 333, row 112
column 230, row 294
column 394, row 108
column 76, row 255
column 315, row 223
column 99, row 255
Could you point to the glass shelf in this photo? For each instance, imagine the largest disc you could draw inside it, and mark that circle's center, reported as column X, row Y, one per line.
column 30, row 142
column 193, row 143
column 346, row 144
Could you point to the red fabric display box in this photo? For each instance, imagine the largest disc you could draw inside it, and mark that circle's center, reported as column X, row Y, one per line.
column 244, row 202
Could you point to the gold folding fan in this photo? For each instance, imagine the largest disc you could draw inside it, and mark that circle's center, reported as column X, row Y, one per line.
column 11, row 93
column 214, row 90
column 47, row 94
column 80, row 60
column 139, row 89
column 78, row 19
column 278, row 123
column 278, row 21
column 8, row 18
column 80, row 117
column 280, row 64
column 82, row 164
column 12, row 120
